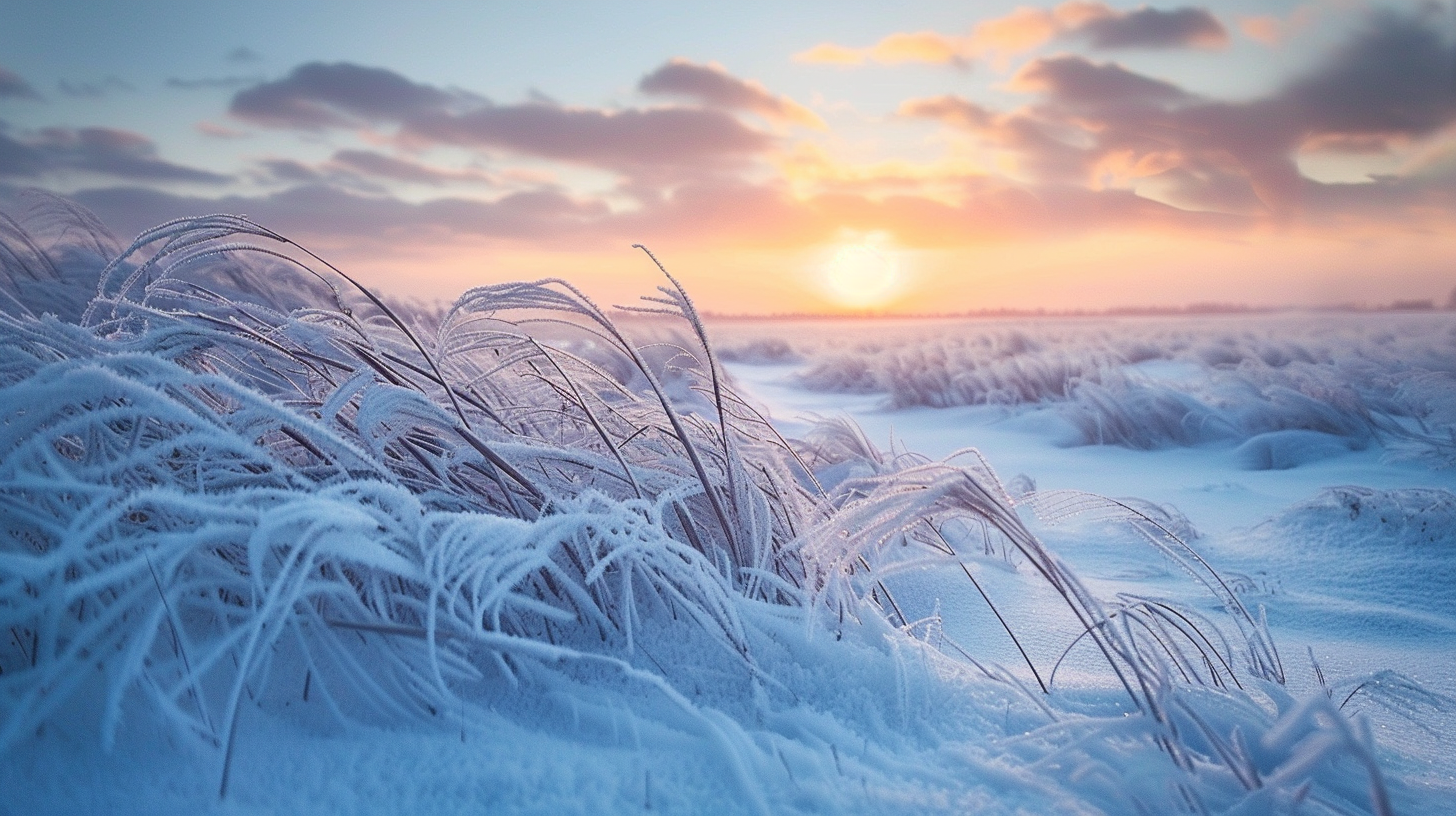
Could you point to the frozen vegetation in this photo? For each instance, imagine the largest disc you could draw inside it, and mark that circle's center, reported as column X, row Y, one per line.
column 1288, row 387
column 271, row 544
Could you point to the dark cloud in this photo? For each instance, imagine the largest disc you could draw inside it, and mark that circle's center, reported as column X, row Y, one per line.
column 358, row 169
column 94, row 90
column 713, row 86
column 319, row 95
column 19, row 160
column 11, row 85
column 1396, row 76
column 1394, row 79
column 1076, row 81
column 243, row 54
column 291, row 171
column 626, row 139
column 378, row 165
column 106, row 151
column 1153, row 28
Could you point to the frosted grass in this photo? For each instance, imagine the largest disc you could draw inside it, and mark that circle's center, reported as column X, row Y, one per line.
column 235, row 473
column 1287, row 387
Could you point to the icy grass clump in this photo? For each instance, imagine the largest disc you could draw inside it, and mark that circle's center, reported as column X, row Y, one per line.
column 997, row 368
column 238, row 474
column 1152, row 383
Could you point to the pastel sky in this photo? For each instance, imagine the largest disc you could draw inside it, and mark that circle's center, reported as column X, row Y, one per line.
column 778, row 157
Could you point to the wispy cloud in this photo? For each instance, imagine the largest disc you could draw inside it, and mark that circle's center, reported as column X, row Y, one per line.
column 216, row 131
column 322, row 95
column 365, row 168
column 243, row 54
column 14, row 87
column 94, row 90
column 1024, row 29
column 104, row 151
column 712, row 85
column 379, row 165
column 1273, row 30
column 212, row 83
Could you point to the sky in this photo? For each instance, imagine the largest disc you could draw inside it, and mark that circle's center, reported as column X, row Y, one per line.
column 777, row 157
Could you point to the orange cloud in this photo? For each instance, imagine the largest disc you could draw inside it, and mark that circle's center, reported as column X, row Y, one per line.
column 1266, row 28
column 831, row 54
column 712, row 85
column 1271, row 30
column 1026, row 28
column 921, row 46
column 810, row 170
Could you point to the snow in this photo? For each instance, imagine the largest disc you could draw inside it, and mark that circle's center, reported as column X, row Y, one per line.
column 258, row 558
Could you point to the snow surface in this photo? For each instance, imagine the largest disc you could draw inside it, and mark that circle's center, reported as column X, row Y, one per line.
column 238, row 582
column 1351, row 549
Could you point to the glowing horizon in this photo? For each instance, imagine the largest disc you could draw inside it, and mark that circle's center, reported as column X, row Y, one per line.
column 945, row 160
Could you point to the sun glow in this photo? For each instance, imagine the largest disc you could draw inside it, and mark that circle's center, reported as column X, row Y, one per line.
column 863, row 275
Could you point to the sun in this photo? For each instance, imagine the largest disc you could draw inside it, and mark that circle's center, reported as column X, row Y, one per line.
column 862, row 275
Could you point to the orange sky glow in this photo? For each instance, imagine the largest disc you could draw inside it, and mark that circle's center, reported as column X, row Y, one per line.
column 1067, row 156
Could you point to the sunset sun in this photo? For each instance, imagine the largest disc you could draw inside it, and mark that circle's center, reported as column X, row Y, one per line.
column 863, row 275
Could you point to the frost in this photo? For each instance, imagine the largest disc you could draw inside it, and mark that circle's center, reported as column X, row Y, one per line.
column 238, row 482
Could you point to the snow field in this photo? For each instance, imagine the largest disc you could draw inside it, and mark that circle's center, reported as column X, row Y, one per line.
column 273, row 544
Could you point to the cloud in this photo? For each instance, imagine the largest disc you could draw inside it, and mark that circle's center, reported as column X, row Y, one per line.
column 1272, row 30
column 1396, row 76
column 359, row 168
column 243, row 54
column 378, row 165
column 715, row 87
column 1266, row 28
column 900, row 47
column 951, row 110
column 1024, row 29
column 212, row 83
column 699, row 214
column 94, row 90
column 216, row 131
column 918, row 46
column 630, row 139
column 1152, row 28
column 106, row 151
column 831, row 54
column 636, row 140
column 12, row 86
column 1100, row 124
column 1078, row 82
column 317, row 95
column 291, row 171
